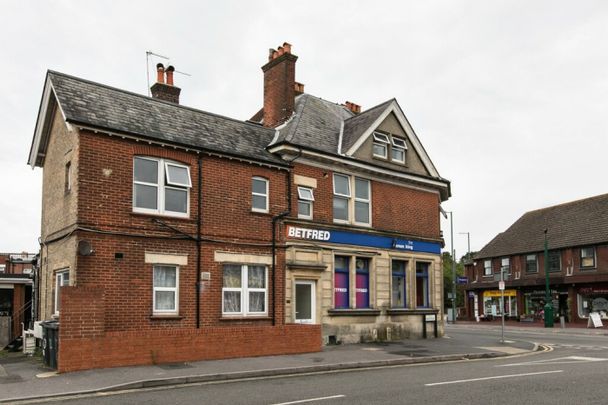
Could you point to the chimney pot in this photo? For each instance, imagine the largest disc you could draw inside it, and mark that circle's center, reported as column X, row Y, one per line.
column 165, row 91
column 169, row 72
column 270, row 54
column 355, row 108
column 287, row 47
column 160, row 73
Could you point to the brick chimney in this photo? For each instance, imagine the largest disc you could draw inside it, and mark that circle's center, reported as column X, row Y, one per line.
column 355, row 108
column 165, row 90
column 279, row 85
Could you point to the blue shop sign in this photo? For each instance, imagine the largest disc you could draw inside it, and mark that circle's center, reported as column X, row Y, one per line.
column 360, row 239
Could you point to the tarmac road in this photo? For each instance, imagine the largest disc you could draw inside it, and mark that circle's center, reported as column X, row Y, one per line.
column 573, row 370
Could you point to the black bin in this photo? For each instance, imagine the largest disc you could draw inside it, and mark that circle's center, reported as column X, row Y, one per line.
column 50, row 343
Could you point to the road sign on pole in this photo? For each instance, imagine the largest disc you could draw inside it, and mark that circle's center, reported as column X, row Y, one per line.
column 501, row 285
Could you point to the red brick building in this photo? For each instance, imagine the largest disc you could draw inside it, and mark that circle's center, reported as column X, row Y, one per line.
column 184, row 235
column 577, row 237
column 16, row 286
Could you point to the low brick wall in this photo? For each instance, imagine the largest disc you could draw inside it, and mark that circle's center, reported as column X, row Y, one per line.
column 83, row 344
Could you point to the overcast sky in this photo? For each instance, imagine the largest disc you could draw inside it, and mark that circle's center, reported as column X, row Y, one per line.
column 509, row 98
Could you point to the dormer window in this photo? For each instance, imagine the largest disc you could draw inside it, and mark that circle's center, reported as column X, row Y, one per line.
column 381, row 143
column 398, row 150
column 389, row 147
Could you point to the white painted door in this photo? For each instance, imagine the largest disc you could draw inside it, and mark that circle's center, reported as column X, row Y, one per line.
column 305, row 301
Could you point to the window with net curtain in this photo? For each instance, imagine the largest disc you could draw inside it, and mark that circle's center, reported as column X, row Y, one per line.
column 244, row 290
column 165, row 289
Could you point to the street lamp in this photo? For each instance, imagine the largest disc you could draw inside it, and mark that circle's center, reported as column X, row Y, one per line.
column 548, row 302
column 445, row 215
column 468, row 243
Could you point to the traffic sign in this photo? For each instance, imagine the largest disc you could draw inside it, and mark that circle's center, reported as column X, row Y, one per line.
column 501, row 285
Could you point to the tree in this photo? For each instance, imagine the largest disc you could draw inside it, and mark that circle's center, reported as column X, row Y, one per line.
column 446, row 259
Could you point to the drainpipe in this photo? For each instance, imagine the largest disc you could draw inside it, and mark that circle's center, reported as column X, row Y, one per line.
column 275, row 219
column 198, row 246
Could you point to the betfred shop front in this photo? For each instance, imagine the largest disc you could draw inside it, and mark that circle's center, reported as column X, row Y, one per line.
column 362, row 286
column 495, row 302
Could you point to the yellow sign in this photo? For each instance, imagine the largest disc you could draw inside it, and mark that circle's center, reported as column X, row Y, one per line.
column 496, row 293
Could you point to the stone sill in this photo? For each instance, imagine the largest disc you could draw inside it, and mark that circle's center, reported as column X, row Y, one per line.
column 245, row 318
column 166, row 317
column 354, row 312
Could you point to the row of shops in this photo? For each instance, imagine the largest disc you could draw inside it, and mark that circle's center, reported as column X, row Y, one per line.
column 573, row 302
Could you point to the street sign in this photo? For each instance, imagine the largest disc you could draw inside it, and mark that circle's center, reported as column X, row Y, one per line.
column 462, row 280
column 501, row 285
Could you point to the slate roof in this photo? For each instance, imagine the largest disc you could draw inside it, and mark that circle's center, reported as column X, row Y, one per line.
column 315, row 124
column 355, row 126
column 577, row 223
column 93, row 104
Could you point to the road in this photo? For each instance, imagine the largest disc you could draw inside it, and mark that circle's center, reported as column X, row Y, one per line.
column 573, row 370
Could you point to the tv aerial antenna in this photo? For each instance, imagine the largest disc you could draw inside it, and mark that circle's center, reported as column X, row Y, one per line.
column 148, row 55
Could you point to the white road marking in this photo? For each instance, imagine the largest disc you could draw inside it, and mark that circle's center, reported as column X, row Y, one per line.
column 301, row 401
column 497, row 377
column 557, row 360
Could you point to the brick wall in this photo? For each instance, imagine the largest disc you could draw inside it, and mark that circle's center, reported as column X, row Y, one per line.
column 394, row 208
column 84, row 345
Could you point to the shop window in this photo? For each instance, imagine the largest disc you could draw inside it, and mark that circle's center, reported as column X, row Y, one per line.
column 305, row 200
column 487, row 267
column 380, row 148
column 361, row 282
column 531, row 264
column 160, row 187
column 555, row 261
column 587, row 258
column 165, row 290
column 593, row 301
column 341, row 282
column 398, row 284
column 345, row 203
column 422, row 285
column 259, row 194
column 62, row 278
column 244, row 290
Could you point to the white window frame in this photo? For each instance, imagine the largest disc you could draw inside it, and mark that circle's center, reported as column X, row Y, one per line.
column 175, row 183
column 352, row 198
column 305, row 200
column 487, row 265
column 383, row 141
column 162, row 184
column 368, row 201
column 174, row 289
column 265, row 195
column 342, row 196
column 245, row 290
column 402, row 148
column 505, row 262
column 60, row 282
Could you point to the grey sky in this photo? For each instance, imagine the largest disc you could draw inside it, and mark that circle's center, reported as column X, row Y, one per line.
column 509, row 98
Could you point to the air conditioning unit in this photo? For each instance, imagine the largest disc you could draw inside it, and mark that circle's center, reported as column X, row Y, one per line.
column 27, row 271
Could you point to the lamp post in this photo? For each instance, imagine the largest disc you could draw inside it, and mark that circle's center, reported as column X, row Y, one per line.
column 445, row 215
column 468, row 243
column 548, row 301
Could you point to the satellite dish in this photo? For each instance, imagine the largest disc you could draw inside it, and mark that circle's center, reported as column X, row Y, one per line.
column 85, row 248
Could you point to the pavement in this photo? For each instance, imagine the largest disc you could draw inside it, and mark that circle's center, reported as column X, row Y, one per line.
column 23, row 377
